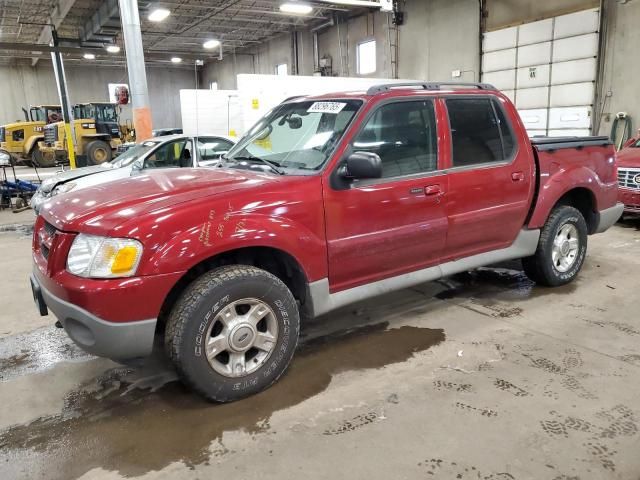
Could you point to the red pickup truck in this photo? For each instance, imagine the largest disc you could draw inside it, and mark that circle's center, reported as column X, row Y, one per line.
column 326, row 201
column 629, row 177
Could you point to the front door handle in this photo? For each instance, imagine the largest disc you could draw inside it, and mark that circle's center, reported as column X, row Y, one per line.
column 517, row 176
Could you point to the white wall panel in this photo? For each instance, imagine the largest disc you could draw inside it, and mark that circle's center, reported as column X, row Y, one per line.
column 572, row 94
column 583, row 132
column 499, row 60
column 532, row 97
column 502, row 80
column 534, row 119
column 574, row 71
column 537, row 76
column 535, row 54
column 537, row 133
column 535, row 32
column 556, row 69
column 500, row 39
column 570, row 117
column 572, row 48
column 576, row 24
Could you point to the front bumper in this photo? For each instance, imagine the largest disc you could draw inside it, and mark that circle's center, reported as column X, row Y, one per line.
column 117, row 341
column 607, row 217
column 631, row 200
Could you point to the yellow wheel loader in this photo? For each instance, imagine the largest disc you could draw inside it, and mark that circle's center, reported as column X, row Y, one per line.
column 20, row 139
column 97, row 135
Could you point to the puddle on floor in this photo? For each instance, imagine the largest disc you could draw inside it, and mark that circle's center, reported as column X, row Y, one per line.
column 36, row 351
column 135, row 430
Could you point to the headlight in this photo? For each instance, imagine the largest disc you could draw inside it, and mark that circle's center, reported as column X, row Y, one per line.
column 5, row 159
column 64, row 188
column 103, row 257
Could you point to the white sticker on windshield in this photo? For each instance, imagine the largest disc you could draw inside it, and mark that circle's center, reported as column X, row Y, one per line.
column 327, row 107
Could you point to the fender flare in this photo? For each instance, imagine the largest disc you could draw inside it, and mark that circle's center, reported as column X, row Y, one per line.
column 559, row 184
column 32, row 142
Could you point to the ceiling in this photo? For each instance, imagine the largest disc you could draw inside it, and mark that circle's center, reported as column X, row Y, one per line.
column 238, row 24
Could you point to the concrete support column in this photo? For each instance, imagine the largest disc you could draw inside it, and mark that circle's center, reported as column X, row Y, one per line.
column 135, row 65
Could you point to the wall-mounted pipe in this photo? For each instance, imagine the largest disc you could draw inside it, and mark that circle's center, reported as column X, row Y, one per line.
column 316, row 53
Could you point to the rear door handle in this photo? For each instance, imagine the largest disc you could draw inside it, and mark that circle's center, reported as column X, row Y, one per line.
column 431, row 190
column 517, row 176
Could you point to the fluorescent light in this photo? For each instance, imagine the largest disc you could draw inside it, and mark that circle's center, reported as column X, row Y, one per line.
column 211, row 43
column 158, row 15
column 113, row 48
column 89, row 56
column 297, row 8
column 176, row 59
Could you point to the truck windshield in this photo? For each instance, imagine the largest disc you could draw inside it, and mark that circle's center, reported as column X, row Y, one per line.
column 297, row 135
column 37, row 114
column 106, row 113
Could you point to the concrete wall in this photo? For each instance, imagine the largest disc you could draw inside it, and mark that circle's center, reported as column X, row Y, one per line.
column 619, row 88
column 24, row 85
column 438, row 36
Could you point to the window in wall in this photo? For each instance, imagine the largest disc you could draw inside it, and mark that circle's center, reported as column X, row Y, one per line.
column 366, row 55
column 281, row 69
column 403, row 134
column 479, row 131
column 213, row 86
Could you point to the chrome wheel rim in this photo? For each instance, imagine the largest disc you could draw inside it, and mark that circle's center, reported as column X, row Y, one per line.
column 241, row 337
column 565, row 248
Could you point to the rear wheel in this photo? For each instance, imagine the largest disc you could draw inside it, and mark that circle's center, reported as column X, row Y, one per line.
column 233, row 332
column 99, row 152
column 561, row 249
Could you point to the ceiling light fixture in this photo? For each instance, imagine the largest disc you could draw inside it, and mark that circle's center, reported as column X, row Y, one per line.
column 113, row 48
column 176, row 59
column 158, row 15
column 211, row 43
column 89, row 56
column 296, row 8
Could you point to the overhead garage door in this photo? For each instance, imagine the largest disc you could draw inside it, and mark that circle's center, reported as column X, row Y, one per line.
column 548, row 68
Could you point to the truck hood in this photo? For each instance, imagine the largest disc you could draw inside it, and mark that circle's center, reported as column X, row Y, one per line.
column 99, row 209
column 21, row 124
column 63, row 177
column 628, row 157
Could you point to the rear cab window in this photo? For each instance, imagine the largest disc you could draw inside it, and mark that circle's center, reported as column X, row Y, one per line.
column 480, row 133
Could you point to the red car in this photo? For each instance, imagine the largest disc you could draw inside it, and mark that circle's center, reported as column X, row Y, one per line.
column 326, row 201
column 629, row 176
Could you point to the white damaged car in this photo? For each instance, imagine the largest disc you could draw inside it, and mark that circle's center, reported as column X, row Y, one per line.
column 172, row 151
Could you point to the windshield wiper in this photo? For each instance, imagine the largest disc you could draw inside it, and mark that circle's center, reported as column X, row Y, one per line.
column 249, row 158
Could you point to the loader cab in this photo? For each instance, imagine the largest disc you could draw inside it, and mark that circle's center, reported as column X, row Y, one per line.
column 45, row 114
column 101, row 117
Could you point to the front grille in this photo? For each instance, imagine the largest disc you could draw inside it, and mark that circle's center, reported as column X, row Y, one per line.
column 45, row 238
column 629, row 178
column 50, row 134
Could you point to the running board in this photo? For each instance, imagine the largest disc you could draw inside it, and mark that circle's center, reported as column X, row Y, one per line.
column 323, row 301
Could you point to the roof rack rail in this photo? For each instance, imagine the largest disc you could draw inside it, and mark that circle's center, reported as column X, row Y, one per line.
column 385, row 87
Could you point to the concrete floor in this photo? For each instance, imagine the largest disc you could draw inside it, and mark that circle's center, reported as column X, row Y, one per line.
column 481, row 376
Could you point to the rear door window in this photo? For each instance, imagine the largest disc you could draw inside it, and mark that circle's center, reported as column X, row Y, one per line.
column 480, row 133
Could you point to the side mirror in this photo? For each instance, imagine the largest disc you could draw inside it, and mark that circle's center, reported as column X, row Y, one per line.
column 361, row 165
column 137, row 165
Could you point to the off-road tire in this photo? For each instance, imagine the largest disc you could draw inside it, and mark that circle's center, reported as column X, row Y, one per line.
column 94, row 147
column 539, row 267
column 37, row 159
column 196, row 308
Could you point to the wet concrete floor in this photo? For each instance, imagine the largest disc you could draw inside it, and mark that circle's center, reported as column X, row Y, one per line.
column 479, row 376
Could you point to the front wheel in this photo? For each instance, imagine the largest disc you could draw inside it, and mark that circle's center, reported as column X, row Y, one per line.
column 233, row 332
column 99, row 152
column 562, row 248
